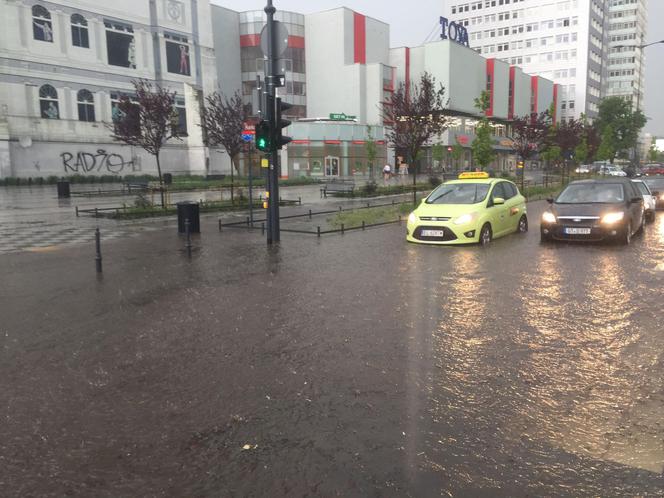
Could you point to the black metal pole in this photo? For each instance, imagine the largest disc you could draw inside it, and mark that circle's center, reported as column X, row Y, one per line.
column 98, row 250
column 273, row 169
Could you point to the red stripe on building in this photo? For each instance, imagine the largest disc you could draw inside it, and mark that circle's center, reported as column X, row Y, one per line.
column 490, row 83
column 360, row 31
column 250, row 40
column 510, row 111
column 300, row 141
column 380, row 142
column 358, row 142
column 534, row 89
column 333, row 142
column 555, row 102
column 296, row 41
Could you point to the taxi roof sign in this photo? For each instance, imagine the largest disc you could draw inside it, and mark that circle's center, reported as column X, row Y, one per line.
column 474, row 175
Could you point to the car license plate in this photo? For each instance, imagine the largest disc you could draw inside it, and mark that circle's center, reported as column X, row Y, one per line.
column 433, row 233
column 577, row 231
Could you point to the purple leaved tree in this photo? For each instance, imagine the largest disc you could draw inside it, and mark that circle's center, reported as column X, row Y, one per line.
column 148, row 120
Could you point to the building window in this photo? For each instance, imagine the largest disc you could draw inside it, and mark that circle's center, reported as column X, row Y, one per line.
column 48, row 102
column 177, row 54
column 181, row 116
column 42, row 27
column 86, row 106
column 120, row 43
column 79, row 31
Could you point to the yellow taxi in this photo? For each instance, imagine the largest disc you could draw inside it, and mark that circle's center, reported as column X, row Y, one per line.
column 472, row 209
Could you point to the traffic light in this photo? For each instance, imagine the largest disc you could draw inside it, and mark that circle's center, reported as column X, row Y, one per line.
column 263, row 136
column 279, row 139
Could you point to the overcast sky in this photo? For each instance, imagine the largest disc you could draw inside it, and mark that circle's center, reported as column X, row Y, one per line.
column 412, row 22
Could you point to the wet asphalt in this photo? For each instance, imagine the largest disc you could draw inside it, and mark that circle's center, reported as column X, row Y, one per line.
column 354, row 365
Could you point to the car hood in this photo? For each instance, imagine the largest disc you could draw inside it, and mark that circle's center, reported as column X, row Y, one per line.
column 585, row 209
column 446, row 210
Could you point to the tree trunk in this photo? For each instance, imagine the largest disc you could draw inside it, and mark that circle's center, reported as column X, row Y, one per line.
column 161, row 182
column 414, row 166
column 233, row 166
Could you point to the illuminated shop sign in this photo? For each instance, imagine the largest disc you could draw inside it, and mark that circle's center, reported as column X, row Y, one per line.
column 454, row 32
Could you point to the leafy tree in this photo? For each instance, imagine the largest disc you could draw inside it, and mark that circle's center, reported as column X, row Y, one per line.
column 608, row 147
column 623, row 122
column 482, row 146
column 414, row 116
column 530, row 134
column 223, row 120
column 149, row 120
column 438, row 153
column 371, row 150
column 653, row 153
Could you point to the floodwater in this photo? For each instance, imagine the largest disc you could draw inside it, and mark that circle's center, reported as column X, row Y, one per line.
column 354, row 365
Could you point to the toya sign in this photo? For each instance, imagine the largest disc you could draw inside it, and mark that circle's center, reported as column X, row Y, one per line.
column 454, row 32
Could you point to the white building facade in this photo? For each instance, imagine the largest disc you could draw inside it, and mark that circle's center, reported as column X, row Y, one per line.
column 65, row 64
column 565, row 41
column 627, row 32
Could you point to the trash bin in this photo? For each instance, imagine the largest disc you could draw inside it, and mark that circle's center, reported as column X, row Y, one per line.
column 63, row 189
column 189, row 210
column 168, row 178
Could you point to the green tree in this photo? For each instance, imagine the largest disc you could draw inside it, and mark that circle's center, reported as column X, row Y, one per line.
column 371, row 150
column 438, row 153
column 619, row 125
column 609, row 145
column 653, row 153
column 482, row 146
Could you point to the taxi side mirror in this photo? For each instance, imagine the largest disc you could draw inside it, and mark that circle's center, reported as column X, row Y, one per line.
column 550, row 200
column 498, row 200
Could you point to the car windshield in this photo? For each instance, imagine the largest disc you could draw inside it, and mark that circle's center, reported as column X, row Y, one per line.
column 592, row 193
column 459, row 193
column 643, row 188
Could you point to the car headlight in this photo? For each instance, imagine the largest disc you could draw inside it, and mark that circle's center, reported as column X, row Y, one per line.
column 611, row 218
column 412, row 218
column 548, row 217
column 464, row 219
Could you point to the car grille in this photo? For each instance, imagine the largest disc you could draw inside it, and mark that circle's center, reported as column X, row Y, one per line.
column 448, row 234
column 435, row 218
column 578, row 221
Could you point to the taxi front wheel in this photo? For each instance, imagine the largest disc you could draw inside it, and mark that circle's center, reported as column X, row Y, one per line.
column 523, row 224
column 485, row 235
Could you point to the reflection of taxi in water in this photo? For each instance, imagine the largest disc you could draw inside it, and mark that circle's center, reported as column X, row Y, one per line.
column 474, row 208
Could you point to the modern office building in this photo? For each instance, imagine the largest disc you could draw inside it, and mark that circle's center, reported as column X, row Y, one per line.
column 64, row 65
column 562, row 40
column 627, row 32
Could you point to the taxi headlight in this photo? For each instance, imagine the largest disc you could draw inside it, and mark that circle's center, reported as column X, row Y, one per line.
column 412, row 218
column 611, row 218
column 464, row 219
column 548, row 217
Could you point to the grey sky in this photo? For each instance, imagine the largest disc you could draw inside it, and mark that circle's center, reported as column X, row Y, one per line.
column 411, row 23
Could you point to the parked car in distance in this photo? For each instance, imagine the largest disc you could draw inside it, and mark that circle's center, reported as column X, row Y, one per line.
column 583, row 169
column 653, row 169
column 649, row 201
column 594, row 210
column 656, row 186
column 610, row 170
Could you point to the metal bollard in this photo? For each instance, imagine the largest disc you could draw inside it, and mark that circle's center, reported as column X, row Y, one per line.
column 318, row 230
column 77, row 211
column 98, row 250
column 187, row 225
column 310, row 214
column 342, row 228
column 362, row 224
column 262, row 228
column 96, row 213
column 220, row 225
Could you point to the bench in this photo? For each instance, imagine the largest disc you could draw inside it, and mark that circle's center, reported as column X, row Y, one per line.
column 337, row 186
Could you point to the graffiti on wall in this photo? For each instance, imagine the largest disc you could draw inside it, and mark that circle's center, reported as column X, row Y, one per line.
column 102, row 161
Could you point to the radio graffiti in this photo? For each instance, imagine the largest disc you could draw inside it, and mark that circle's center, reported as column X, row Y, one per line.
column 86, row 162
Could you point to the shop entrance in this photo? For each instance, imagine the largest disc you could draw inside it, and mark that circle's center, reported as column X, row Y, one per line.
column 331, row 166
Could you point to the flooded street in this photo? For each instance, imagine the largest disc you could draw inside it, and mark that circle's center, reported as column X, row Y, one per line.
column 354, row 365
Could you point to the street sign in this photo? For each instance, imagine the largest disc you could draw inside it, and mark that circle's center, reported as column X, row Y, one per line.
column 247, row 137
column 341, row 116
column 280, row 37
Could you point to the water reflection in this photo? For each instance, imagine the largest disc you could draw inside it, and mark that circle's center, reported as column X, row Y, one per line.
column 582, row 395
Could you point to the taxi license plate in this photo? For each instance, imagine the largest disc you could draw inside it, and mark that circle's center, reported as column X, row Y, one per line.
column 577, row 231
column 433, row 233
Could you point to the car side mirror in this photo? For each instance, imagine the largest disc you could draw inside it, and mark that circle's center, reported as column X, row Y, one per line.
column 549, row 200
column 637, row 199
column 498, row 200
column 656, row 193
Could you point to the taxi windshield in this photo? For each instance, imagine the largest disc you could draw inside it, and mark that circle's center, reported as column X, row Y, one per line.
column 601, row 193
column 459, row 193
